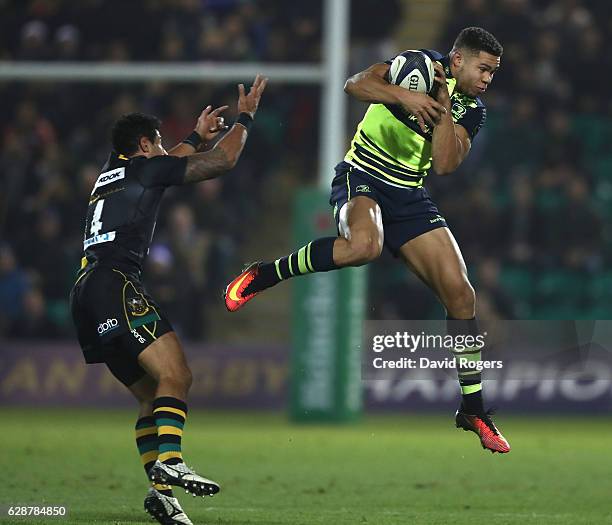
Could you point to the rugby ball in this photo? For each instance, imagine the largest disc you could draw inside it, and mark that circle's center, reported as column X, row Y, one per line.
column 412, row 70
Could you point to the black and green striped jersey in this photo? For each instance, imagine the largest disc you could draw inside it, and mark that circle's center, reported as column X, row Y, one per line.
column 390, row 145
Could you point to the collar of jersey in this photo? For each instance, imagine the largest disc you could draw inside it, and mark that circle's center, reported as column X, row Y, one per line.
column 445, row 61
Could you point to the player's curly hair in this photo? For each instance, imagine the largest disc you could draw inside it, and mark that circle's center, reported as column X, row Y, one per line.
column 478, row 39
column 128, row 130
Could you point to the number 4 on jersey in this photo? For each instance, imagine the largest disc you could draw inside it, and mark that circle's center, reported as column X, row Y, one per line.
column 96, row 223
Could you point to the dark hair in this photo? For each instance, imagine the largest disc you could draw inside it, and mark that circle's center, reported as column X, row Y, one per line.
column 477, row 39
column 128, row 130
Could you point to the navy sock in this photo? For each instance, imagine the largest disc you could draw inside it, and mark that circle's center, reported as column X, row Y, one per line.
column 316, row 256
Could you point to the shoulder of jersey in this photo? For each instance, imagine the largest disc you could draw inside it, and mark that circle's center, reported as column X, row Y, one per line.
column 479, row 102
column 433, row 54
column 115, row 160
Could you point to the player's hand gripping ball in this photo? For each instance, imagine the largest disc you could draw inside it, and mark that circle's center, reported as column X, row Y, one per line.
column 412, row 70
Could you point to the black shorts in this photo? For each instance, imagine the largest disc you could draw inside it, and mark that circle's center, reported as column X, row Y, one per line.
column 406, row 212
column 115, row 320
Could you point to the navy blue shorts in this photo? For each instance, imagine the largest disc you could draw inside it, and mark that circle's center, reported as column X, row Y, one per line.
column 406, row 212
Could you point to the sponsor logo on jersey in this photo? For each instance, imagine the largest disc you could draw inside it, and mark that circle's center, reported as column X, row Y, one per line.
column 438, row 218
column 363, row 188
column 107, row 326
column 108, row 177
column 138, row 337
column 97, row 239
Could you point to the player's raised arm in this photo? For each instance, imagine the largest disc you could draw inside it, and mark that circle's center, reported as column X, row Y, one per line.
column 225, row 154
column 450, row 142
column 371, row 86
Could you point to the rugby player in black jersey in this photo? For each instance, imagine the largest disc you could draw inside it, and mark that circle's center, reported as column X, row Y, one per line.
column 117, row 322
column 379, row 199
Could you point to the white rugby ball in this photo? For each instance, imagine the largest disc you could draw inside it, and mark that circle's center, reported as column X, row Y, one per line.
column 412, row 70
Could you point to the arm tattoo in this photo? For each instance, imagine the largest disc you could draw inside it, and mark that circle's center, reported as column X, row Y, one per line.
column 221, row 158
column 207, row 165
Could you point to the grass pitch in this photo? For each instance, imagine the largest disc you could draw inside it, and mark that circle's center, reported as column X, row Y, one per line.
column 412, row 469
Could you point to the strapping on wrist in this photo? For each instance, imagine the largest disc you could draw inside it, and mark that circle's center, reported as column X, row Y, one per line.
column 194, row 140
column 245, row 120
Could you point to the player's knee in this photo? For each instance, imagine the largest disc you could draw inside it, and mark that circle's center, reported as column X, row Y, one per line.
column 185, row 377
column 179, row 376
column 188, row 377
column 365, row 248
column 461, row 300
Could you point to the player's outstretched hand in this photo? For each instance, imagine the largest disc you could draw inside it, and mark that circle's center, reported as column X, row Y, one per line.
column 247, row 103
column 210, row 123
column 426, row 110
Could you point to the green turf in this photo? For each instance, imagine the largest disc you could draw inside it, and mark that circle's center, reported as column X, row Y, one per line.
column 386, row 470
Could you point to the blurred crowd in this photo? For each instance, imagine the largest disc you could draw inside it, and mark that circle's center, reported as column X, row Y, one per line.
column 160, row 30
column 529, row 207
column 531, row 203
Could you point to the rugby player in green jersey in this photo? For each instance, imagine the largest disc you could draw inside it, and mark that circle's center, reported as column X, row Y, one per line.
column 379, row 199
